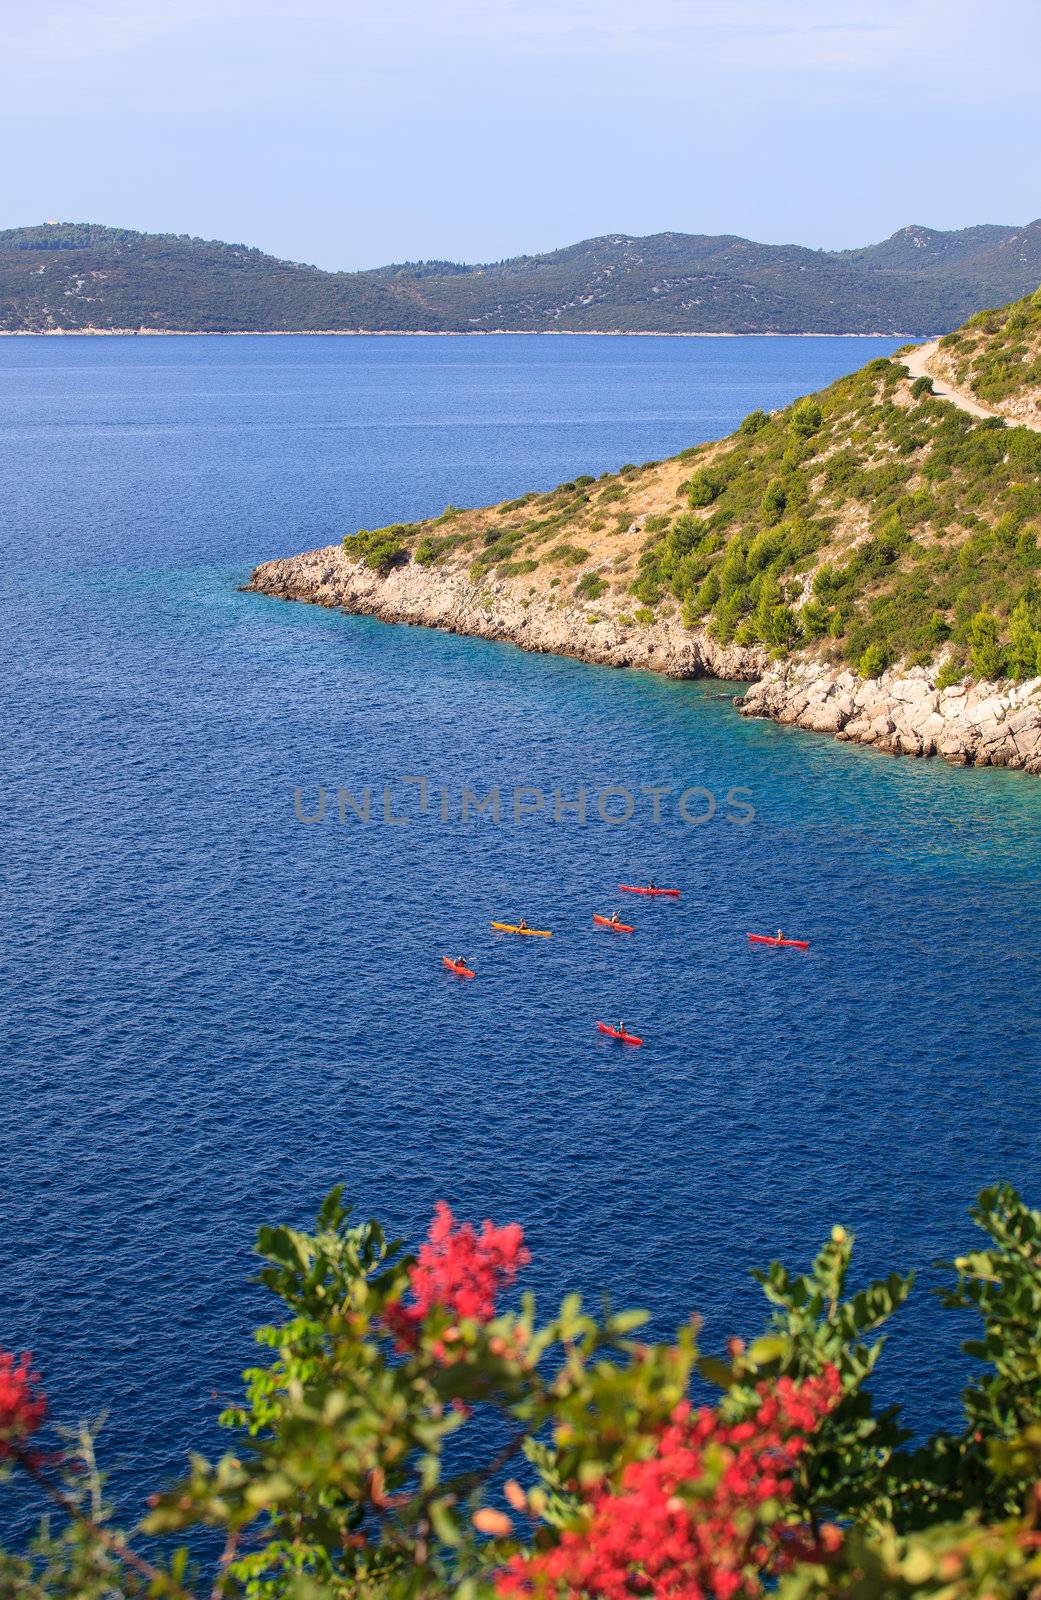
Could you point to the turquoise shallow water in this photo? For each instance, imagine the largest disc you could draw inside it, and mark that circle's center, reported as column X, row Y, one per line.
column 214, row 1011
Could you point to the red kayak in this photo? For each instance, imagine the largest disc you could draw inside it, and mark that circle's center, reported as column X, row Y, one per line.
column 458, row 968
column 789, row 944
column 634, row 888
column 619, row 927
column 613, row 1033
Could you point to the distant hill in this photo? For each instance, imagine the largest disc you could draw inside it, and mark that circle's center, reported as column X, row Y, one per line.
column 78, row 275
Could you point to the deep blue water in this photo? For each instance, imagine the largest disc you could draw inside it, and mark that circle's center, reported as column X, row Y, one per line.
column 214, row 1012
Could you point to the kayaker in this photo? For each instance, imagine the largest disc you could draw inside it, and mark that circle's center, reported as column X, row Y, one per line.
column 780, row 936
column 522, row 926
column 620, row 1028
column 614, row 919
column 651, row 883
column 461, row 961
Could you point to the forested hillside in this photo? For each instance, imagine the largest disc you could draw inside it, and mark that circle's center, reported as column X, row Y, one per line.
column 76, row 276
column 73, row 276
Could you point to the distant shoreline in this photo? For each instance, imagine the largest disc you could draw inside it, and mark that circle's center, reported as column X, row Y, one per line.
column 420, row 333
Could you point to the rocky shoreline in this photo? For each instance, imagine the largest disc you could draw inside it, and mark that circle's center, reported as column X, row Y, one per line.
column 445, row 597
column 967, row 724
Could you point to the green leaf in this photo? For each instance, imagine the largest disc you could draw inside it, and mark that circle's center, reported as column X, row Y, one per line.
column 769, row 1347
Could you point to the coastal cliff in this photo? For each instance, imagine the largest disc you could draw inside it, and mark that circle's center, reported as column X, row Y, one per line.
column 902, row 713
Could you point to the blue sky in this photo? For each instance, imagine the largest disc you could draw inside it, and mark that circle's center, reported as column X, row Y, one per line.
column 352, row 134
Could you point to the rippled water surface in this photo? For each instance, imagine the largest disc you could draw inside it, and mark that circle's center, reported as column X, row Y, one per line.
column 215, row 1011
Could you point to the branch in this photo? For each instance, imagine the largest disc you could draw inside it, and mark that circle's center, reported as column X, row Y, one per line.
column 111, row 1541
column 457, row 1488
column 231, row 1545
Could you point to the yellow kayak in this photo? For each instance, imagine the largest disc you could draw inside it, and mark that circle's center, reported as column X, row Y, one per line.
column 536, row 933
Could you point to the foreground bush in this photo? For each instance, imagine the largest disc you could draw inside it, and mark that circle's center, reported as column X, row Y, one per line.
column 407, row 1436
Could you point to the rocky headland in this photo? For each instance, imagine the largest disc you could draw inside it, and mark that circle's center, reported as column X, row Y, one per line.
column 867, row 560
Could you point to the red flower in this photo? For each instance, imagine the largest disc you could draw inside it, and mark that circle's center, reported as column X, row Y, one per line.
column 464, row 1271
column 701, row 1519
column 22, row 1403
column 460, row 1270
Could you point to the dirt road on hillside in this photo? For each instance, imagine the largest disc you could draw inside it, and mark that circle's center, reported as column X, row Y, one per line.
column 917, row 363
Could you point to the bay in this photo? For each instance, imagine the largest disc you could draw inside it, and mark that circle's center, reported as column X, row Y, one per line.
column 214, row 1011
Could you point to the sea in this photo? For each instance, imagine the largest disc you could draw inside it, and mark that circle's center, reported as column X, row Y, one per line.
column 219, row 999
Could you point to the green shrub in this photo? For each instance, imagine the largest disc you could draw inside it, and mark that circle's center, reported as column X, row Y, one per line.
column 733, row 574
column 874, row 661
column 591, row 586
column 379, row 548
column 753, row 423
column 499, row 546
column 646, row 588
column 1024, row 651
column 765, row 548
column 806, row 417
column 571, row 555
column 774, row 500
column 827, row 581
column 773, row 621
column 429, row 550
column 704, row 487
column 708, row 592
column 686, row 535
column 986, row 654
column 814, row 618
column 937, row 630
column 728, row 614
